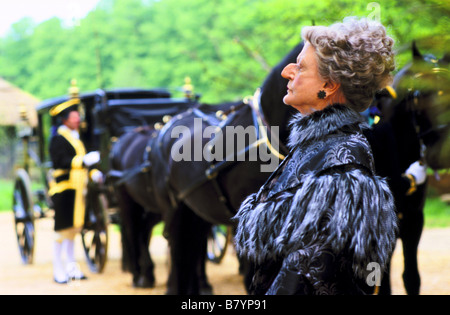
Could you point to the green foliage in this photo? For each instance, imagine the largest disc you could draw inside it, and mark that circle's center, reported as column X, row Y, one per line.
column 6, row 191
column 226, row 47
column 437, row 213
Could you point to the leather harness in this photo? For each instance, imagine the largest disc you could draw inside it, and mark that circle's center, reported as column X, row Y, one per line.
column 221, row 120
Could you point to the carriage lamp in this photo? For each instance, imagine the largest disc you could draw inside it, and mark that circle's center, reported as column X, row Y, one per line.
column 23, row 128
column 23, row 113
column 24, row 131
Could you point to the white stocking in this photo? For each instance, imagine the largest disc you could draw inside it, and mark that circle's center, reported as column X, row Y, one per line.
column 59, row 272
column 72, row 267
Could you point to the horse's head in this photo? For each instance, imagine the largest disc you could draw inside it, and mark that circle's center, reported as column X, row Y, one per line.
column 421, row 97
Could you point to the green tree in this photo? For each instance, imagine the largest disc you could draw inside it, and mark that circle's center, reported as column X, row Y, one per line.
column 226, row 47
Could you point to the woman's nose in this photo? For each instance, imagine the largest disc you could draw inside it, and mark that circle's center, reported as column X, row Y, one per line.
column 287, row 71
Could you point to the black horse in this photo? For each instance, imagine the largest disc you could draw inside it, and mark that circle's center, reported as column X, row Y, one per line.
column 191, row 194
column 409, row 131
column 136, row 205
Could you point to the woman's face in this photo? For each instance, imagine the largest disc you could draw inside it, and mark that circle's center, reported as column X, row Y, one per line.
column 304, row 82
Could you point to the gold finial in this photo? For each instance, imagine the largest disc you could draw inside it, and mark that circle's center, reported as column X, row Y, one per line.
column 188, row 88
column 74, row 91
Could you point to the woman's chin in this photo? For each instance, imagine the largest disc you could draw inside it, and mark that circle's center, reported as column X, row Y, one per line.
column 286, row 100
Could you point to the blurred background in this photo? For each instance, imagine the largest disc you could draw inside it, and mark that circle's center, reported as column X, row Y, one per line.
column 225, row 47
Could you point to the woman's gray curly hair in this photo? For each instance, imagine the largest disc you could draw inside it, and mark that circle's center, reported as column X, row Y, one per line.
column 357, row 53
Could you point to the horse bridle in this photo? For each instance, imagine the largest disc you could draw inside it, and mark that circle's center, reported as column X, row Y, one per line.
column 214, row 169
column 413, row 102
column 211, row 173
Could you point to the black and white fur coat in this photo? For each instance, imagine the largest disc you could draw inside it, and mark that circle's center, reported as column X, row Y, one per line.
column 323, row 216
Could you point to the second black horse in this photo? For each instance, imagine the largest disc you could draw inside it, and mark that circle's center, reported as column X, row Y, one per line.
column 192, row 193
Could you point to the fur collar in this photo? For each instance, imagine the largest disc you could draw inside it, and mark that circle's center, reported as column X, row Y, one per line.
column 332, row 119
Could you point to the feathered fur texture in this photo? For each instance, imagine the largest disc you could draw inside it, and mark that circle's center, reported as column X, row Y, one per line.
column 322, row 123
column 346, row 210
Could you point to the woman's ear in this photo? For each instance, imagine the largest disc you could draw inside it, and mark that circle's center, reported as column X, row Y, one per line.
column 331, row 87
column 334, row 93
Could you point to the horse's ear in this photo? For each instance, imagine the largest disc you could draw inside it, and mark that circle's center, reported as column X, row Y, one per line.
column 415, row 51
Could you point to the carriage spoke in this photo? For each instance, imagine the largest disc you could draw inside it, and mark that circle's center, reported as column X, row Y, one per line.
column 95, row 234
column 217, row 243
column 24, row 221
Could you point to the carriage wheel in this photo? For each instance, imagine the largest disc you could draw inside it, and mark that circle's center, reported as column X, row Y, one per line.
column 23, row 216
column 94, row 234
column 218, row 240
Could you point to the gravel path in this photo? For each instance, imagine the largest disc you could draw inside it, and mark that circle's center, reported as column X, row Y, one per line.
column 15, row 278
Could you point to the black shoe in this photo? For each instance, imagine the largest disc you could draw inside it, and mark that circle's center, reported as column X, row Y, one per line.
column 75, row 273
column 77, row 277
column 83, row 277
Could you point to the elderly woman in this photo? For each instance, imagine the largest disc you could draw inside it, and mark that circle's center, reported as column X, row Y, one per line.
column 324, row 223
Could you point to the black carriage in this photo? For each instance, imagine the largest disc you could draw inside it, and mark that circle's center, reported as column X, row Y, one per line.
column 106, row 115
